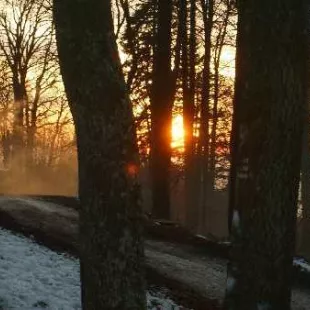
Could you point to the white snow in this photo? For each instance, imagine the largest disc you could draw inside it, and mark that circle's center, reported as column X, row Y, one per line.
column 34, row 277
column 302, row 264
column 263, row 306
column 236, row 220
column 230, row 284
column 205, row 275
column 201, row 237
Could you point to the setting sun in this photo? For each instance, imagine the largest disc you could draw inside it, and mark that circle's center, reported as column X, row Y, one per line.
column 177, row 132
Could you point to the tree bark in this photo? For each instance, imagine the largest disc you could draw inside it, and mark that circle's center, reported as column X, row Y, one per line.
column 305, row 168
column 111, row 248
column 204, row 134
column 161, row 113
column 20, row 98
column 271, row 93
column 304, row 248
column 189, row 78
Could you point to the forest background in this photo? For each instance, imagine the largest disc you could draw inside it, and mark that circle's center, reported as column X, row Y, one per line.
column 183, row 134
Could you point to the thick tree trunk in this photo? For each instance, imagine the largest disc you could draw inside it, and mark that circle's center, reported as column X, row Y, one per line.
column 269, row 101
column 305, row 169
column 111, row 248
column 161, row 113
column 304, row 246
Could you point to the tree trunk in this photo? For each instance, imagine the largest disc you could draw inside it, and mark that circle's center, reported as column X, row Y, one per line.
column 271, row 93
column 220, row 40
column 304, row 248
column 187, row 104
column 20, row 98
column 189, row 76
column 161, row 113
column 305, row 169
column 204, row 134
column 111, row 248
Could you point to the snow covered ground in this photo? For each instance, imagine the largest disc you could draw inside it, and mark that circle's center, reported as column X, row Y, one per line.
column 33, row 277
column 206, row 275
column 302, row 264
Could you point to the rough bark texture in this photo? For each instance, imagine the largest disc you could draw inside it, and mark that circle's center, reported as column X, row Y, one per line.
column 305, row 169
column 269, row 101
column 110, row 230
column 161, row 113
column 304, row 246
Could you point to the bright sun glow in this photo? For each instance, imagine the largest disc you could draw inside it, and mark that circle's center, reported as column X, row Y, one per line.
column 177, row 132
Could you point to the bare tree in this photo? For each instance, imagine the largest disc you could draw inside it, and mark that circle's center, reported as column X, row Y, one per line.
column 26, row 43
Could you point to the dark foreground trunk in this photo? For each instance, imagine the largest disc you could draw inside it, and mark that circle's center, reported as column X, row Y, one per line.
column 110, row 230
column 304, row 246
column 269, row 102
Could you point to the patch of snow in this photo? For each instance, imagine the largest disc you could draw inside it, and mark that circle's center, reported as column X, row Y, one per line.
column 34, row 277
column 205, row 275
column 47, row 207
column 263, row 306
column 225, row 242
column 201, row 237
column 302, row 264
column 236, row 220
column 230, row 284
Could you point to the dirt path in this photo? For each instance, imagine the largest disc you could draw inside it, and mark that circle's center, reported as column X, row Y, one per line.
column 204, row 274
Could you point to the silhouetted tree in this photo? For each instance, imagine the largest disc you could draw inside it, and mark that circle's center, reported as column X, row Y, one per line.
column 271, row 94
column 161, row 111
column 305, row 188
column 111, row 249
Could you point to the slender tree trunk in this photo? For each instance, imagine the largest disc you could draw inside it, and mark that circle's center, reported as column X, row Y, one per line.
column 161, row 113
column 271, row 91
column 130, row 35
column 111, row 248
column 204, row 134
column 217, row 61
column 31, row 135
column 20, row 98
column 191, row 166
column 214, row 129
column 6, row 144
column 187, row 108
column 186, row 100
